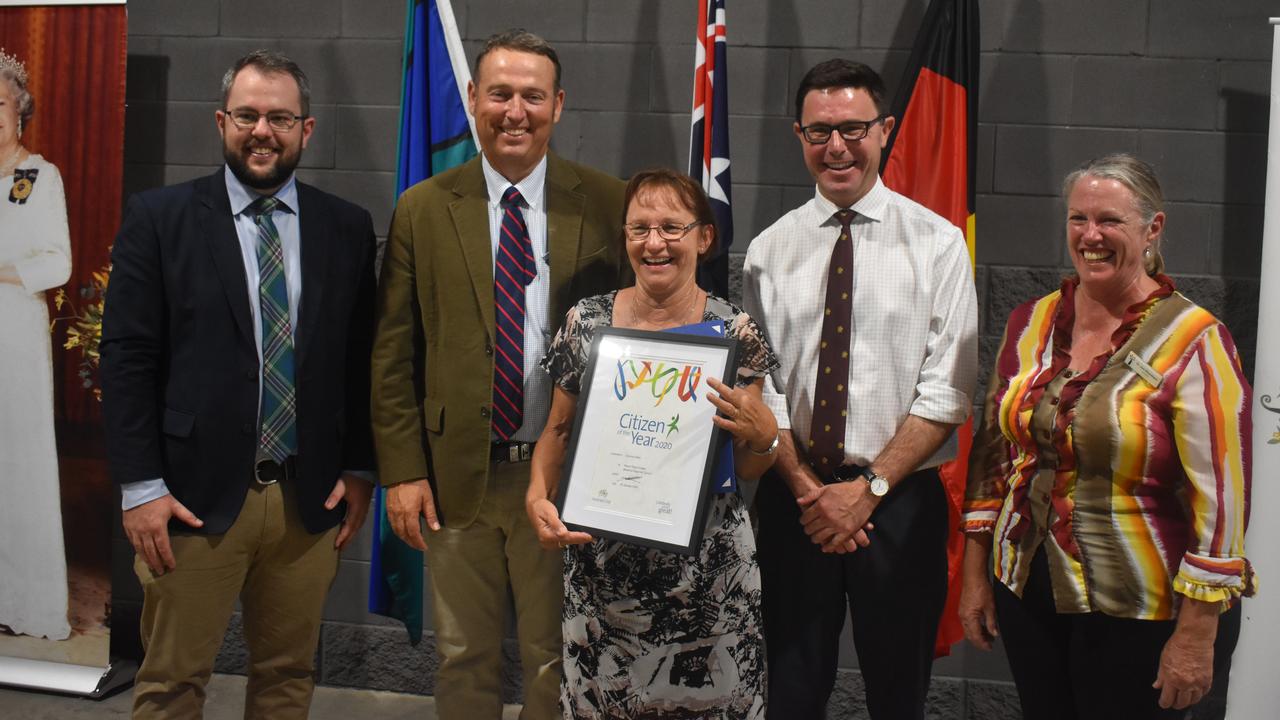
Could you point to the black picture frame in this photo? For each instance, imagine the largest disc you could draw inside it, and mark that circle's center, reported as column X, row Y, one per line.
column 592, row 408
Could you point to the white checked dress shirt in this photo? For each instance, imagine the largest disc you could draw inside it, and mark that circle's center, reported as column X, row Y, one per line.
column 913, row 345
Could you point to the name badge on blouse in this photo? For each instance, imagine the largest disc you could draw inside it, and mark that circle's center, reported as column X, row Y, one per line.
column 1143, row 370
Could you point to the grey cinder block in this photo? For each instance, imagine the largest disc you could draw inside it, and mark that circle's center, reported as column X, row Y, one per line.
column 303, row 18
column 1033, row 159
column 157, row 17
column 1025, row 87
column 382, row 18
column 378, row 658
column 606, row 77
column 368, row 137
column 646, row 22
column 1144, row 92
column 1019, row 230
column 560, row 21
column 1235, row 30
column 1087, row 27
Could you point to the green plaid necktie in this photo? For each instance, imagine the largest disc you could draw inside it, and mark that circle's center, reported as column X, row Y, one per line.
column 278, row 438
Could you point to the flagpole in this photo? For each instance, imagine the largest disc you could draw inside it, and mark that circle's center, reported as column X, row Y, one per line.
column 457, row 57
column 1254, row 692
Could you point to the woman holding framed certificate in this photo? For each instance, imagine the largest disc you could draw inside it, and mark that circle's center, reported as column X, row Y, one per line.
column 649, row 631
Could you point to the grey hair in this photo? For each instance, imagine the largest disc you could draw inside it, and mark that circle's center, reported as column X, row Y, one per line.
column 269, row 62
column 1140, row 179
column 520, row 40
column 22, row 98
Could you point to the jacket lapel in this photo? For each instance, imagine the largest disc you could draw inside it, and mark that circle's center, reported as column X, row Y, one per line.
column 470, row 213
column 315, row 233
column 564, row 232
column 224, row 246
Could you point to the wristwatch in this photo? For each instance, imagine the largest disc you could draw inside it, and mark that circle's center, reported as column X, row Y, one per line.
column 879, row 483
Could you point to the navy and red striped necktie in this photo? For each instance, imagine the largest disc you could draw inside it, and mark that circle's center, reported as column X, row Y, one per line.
column 513, row 269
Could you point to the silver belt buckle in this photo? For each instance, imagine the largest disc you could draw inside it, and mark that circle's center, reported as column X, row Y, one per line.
column 519, row 452
column 267, row 471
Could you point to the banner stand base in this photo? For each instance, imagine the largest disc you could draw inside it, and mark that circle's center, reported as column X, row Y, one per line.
column 83, row 680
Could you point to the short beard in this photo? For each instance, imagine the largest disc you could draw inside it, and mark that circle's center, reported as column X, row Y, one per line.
column 284, row 167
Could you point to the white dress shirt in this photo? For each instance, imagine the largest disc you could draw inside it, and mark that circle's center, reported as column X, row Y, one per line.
column 537, row 320
column 913, row 345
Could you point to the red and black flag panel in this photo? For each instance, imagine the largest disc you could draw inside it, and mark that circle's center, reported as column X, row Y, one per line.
column 709, row 137
column 932, row 160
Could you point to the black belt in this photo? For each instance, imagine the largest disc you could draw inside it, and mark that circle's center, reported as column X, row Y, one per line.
column 269, row 472
column 510, row 452
column 844, row 473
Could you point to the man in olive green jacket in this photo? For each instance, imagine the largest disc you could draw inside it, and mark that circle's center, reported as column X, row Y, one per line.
column 441, row 452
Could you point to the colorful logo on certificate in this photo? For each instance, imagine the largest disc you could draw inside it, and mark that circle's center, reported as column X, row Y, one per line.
column 658, row 379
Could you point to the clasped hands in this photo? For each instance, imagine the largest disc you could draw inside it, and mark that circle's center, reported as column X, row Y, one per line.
column 837, row 516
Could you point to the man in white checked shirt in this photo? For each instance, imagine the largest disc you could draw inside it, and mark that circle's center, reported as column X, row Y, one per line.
column 869, row 301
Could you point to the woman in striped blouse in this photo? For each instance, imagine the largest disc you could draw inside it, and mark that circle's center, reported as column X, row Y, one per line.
column 1109, row 485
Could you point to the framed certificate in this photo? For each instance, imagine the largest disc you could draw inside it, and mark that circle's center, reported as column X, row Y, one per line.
column 640, row 457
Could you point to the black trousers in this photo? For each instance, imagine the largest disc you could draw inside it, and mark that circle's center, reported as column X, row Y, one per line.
column 1090, row 665
column 895, row 590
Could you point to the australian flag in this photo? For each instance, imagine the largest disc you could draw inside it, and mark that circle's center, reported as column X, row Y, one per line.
column 709, row 139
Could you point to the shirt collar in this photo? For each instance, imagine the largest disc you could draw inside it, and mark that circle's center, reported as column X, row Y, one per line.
column 530, row 187
column 872, row 205
column 242, row 197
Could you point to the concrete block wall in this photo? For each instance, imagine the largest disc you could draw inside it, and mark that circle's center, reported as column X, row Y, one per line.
column 1180, row 82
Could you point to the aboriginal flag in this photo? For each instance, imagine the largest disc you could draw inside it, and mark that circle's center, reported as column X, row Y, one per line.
column 435, row 135
column 709, row 137
column 931, row 159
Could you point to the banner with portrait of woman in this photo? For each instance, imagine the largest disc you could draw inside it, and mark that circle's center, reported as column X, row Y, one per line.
column 62, row 76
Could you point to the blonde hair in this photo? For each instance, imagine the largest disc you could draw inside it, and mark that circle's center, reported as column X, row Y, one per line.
column 1140, row 179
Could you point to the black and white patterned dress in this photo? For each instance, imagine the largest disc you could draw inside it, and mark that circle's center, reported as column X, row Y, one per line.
column 649, row 633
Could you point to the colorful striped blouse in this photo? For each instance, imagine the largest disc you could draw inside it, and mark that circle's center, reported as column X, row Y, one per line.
column 1132, row 474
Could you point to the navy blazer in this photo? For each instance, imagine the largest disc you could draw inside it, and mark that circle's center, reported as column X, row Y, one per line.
column 179, row 364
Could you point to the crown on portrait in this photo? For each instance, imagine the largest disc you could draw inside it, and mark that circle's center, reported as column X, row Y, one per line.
column 13, row 65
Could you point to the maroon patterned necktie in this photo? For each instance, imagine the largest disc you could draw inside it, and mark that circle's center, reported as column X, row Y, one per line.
column 831, row 394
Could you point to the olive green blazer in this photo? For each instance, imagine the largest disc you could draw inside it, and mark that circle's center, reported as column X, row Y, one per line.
column 433, row 348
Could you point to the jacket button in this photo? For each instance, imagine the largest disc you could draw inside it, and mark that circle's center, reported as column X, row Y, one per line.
column 488, row 349
column 251, row 374
column 484, row 411
column 247, row 428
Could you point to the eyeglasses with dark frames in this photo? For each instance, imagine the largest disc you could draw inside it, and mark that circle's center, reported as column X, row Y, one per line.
column 851, row 131
column 666, row 231
column 279, row 120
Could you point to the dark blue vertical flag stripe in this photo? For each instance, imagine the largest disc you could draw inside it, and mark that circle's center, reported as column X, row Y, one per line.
column 435, row 135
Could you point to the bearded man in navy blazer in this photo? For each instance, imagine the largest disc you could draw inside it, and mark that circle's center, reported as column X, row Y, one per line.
column 235, row 388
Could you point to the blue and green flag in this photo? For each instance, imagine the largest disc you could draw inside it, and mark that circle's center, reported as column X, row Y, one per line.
column 435, row 135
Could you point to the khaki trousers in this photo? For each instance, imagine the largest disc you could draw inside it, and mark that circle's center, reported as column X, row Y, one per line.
column 280, row 572
column 471, row 570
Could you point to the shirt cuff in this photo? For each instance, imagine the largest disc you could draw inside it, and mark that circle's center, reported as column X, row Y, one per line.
column 365, row 475
column 1215, row 579
column 777, row 403
column 133, row 494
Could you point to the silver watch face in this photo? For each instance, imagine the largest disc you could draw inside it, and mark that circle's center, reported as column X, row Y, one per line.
column 879, row 486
